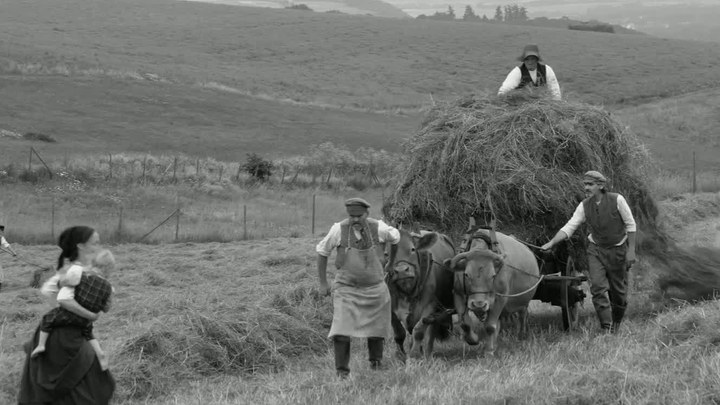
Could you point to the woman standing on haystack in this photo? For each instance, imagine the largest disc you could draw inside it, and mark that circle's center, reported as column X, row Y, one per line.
column 69, row 372
column 531, row 73
column 611, row 251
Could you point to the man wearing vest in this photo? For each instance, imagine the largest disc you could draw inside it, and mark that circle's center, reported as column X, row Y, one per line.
column 531, row 73
column 361, row 299
column 611, row 251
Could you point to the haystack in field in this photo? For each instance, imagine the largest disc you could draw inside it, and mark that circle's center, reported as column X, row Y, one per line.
column 520, row 159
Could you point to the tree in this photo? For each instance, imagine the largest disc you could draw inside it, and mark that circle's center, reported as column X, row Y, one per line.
column 522, row 14
column 470, row 14
column 451, row 13
column 498, row 14
column 257, row 167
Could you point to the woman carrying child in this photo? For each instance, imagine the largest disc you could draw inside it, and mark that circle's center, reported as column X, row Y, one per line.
column 68, row 370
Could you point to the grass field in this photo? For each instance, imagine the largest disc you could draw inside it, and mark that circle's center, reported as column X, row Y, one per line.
column 193, row 305
column 221, row 81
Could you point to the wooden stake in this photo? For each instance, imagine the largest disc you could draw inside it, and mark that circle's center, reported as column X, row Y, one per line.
column 245, row 222
column 52, row 219
column 175, row 170
column 694, row 182
column 312, row 227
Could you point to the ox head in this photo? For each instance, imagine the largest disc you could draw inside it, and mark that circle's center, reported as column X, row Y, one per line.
column 406, row 270
column 475, row 277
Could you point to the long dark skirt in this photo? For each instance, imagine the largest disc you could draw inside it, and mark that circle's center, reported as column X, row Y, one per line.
column 68, row 373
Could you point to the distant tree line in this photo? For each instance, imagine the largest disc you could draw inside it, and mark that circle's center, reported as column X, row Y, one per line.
column 516, row 14
column 508, row 14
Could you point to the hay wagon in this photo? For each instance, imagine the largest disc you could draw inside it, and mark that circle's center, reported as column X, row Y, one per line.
column 519, row 159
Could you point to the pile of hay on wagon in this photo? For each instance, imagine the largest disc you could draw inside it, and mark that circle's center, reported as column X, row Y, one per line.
column 521, row 158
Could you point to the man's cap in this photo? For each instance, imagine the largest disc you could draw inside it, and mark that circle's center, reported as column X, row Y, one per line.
column 357, row 202
column 595, row 176
column 530, row 50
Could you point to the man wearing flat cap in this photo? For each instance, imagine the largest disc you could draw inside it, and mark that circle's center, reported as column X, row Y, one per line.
column 5, row 247
column 361, row 299
column 611, row 251
column 531, row 73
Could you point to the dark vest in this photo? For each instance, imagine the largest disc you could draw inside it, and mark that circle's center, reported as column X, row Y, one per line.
column 606, row 224
column 527, row 80
column 365, row 243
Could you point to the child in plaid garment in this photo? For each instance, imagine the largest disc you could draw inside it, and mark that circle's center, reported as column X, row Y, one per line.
column 89, row 294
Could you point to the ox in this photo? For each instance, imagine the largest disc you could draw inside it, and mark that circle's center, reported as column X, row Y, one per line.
column 421, row 291
column 491, row 284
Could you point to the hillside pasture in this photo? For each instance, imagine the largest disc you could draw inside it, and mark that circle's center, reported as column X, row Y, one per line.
column 197, row 308
column 341, row 60
column 675, row 127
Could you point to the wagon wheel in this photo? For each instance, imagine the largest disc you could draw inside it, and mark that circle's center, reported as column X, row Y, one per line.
column 570, row 306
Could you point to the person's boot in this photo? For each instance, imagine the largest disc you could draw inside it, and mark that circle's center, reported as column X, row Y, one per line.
column 375, row 352
column 617, row 316
column 605, row 318
column 342, row 355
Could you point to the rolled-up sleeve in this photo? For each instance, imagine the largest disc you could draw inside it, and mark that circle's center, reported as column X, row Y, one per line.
column 50, row 287
column 552, row 83
column 626, row 214
column 330, row 241
column 574, row 223
column 511, row 81
column 387, row 233
column 4, row 242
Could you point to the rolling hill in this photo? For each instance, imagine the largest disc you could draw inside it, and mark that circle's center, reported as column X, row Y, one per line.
column 222, row 81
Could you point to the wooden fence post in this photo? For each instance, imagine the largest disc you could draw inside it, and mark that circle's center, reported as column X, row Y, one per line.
column 50, row 173
column 120, row 224
column 144, row 168
column 52, row 219
column 244, row 222
column 30, row 159
column 109, row 165
column 282, row 178
column 197, row 167
column 221, row 173
column 312, row 227
column 694, row 181
column 177, row 223
column 175, row 170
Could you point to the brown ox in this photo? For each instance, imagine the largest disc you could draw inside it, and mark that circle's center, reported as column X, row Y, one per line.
column 421, row 291
column 491, row 284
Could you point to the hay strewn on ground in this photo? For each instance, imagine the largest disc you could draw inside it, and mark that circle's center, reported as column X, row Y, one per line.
column 525, row 155
column 260, row 339
column 522, row 158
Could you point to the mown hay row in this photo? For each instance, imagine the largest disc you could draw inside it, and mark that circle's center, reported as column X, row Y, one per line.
column 261, row 339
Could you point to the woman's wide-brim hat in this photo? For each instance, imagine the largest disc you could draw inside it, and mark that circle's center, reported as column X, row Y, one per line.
column 530, row 50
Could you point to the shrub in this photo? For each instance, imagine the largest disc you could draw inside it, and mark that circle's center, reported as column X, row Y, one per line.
column 257, row 167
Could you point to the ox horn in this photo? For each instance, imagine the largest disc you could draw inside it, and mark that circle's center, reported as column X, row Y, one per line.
column 456, row 260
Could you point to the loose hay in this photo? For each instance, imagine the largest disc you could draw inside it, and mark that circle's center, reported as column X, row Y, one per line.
column 521, row 159
column 261, row 339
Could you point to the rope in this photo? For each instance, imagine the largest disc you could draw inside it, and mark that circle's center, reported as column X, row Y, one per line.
column 23, row 260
